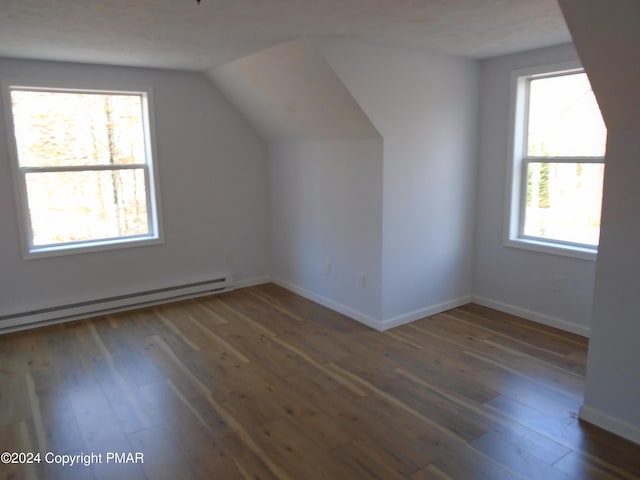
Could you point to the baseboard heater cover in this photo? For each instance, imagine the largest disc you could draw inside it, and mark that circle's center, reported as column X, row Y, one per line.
column 34, row 318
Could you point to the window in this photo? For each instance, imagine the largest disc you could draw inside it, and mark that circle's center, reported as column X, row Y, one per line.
column 84, row 169
column 559, row 143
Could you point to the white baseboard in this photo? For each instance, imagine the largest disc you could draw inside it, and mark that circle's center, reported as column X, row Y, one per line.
column 252, row 282
column 533, row 316
column 380, row 325
column 612, row 424
column 326, row 302
column 424, row 312
column 377, row 324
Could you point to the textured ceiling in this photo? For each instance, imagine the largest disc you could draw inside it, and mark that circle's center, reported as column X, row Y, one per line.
column 182, row 34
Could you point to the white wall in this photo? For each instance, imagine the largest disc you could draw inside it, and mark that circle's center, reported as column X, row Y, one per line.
column 606, row 35
column 512, row 279
column 326, row 207
column 424, row 106
column 213, row 189
column 612, row 393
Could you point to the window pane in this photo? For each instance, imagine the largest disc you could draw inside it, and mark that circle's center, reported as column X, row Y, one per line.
column 64, row 129
column 564, row 201
column 564, row 118
column 91, row 205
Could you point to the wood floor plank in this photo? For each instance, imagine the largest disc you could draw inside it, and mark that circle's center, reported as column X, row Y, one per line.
column 211, row 462
column 183, row 418
column 16, row 437
column 466, row 463
column 101, row 431
column 317, row 403
column 509, row 428
column 57, row 428
column 578, row 340
column 577, row 465
column 164, row 457
column 297, row 453
column 366, row 462
column 261, row 383
column 34, row 347
column 484, row 342
column 444, row 367
column 14, row 398
column 516, row 459
column 494, row 368
column 428, row 405
column 431, row 472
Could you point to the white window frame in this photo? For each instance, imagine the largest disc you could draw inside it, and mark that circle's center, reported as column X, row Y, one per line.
column 155, row 234
column 518, row 162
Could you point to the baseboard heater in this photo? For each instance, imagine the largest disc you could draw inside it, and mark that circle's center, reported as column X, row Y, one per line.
column 65, row 313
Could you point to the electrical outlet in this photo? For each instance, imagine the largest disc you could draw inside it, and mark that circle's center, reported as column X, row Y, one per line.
column 557, row 283
column 362, row 280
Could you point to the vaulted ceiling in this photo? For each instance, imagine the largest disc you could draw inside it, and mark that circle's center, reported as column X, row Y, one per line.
column 186, row 35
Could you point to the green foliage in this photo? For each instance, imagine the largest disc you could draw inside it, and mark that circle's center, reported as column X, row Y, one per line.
column 543, row 186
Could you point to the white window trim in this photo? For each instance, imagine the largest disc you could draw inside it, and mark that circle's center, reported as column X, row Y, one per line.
column 514, row 215
column 156, row 232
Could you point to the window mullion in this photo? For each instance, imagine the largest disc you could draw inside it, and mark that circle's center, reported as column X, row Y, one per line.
column 83, row 168
column 530, row 159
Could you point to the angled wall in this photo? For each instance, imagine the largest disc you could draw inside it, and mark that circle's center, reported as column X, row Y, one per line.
column 607, row 40
column 425, row 107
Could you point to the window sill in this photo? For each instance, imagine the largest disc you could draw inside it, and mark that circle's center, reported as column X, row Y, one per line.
column 582, row 253
column 91, row 247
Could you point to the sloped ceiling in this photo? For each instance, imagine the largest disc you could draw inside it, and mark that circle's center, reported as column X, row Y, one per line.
column 289, row 92
column 608, row 41
column 186, row 35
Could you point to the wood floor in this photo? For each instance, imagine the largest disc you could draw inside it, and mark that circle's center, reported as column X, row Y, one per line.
column 262, row 384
